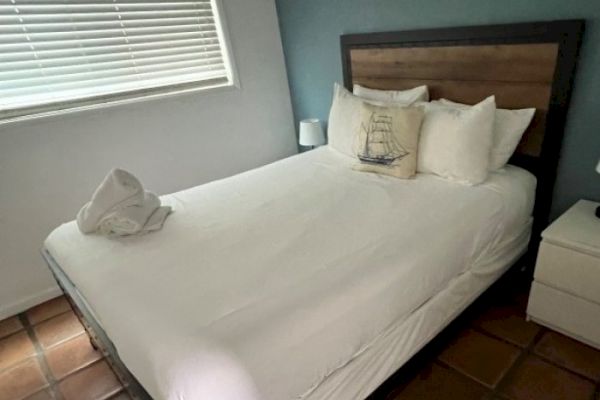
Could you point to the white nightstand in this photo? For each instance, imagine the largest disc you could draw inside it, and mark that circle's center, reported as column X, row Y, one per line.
column 565, row 295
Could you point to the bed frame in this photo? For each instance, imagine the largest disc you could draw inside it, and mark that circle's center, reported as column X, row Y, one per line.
column 524, row 65
column 98, row 337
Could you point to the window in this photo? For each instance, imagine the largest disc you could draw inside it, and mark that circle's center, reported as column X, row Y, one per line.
column 59, row 54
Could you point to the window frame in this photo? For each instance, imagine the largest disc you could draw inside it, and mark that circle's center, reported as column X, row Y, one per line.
column 142, row 95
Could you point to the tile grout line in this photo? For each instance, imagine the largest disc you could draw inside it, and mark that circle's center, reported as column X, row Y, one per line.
column 490, row 390
column 494, row 336
column 540, row 356
column 597, row 390
column 525, row 352
column 103, row 356
column 119, row 393
column 12, row 333
column 41, row 357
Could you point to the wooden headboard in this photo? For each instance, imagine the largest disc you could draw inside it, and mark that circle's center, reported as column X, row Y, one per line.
column 523, row 65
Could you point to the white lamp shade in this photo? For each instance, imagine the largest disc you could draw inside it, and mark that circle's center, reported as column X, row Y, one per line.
column 311, row 132
column 598, row 167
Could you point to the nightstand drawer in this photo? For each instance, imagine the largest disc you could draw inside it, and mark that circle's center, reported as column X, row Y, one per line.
column 569, row 270
column 565, row 313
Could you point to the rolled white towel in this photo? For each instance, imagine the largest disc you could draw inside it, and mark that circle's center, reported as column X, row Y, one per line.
column 119, row 189
column 135, row 219
column 157, row 219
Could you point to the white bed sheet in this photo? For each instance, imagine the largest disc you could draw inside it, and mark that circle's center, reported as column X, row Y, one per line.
column 405, row 337
column 260, row 286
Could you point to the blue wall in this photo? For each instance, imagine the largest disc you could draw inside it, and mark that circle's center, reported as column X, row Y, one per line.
column 310, row 31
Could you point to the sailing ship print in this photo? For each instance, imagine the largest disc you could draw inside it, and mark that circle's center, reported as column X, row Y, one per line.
column 380, row 145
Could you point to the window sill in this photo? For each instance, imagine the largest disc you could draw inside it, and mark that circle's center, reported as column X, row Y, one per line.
column 124, row 101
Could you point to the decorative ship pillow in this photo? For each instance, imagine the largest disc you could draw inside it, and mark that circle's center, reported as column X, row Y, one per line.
column 344, row 119
column 387, row 140
column 407, row 97
column 509, row 127
column 455, row 143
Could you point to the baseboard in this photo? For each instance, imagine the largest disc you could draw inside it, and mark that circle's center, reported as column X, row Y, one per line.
column 28, row 302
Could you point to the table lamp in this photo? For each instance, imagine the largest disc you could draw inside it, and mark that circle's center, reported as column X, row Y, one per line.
column 311, row 133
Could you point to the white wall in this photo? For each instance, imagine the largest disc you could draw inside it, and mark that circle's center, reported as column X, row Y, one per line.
column 50, row 166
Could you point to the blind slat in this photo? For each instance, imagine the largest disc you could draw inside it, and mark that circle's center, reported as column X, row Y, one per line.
column 55, row 27
column 30, row 37
column 107, row 50
column 18, row 18
column 11, row 61
column 96, row 42
column 109, row 85
column 46, row 72
column 57, row 51
column 126, row 74
column 21, row 7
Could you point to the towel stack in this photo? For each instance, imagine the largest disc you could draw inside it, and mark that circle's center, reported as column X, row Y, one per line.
column 120, row 206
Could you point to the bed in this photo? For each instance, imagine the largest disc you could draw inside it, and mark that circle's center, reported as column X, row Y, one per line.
column 261, row 286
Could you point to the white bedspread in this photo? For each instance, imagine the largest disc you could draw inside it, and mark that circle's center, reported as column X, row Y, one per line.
column 263, row 284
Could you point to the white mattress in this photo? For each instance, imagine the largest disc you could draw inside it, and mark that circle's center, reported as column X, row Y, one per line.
column 405, row 337
column 262, row 285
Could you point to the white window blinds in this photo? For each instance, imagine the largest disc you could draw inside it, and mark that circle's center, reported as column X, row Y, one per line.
column 56, row 53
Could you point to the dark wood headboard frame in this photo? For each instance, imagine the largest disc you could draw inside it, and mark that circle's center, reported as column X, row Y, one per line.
column 399, row 60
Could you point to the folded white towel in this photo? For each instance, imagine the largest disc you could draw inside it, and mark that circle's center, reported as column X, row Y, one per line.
column 119, row 189
column 134, row 219
column 120, row 206
column 157, row 219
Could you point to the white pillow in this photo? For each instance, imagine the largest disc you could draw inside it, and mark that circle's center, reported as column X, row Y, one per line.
column 344, row 117
column 509, row 126
column 405, row 97
column 455, row 143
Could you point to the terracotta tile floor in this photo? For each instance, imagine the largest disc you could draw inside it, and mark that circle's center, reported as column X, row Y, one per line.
column 489, row 353
column 46, row 354
column 492, row 353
